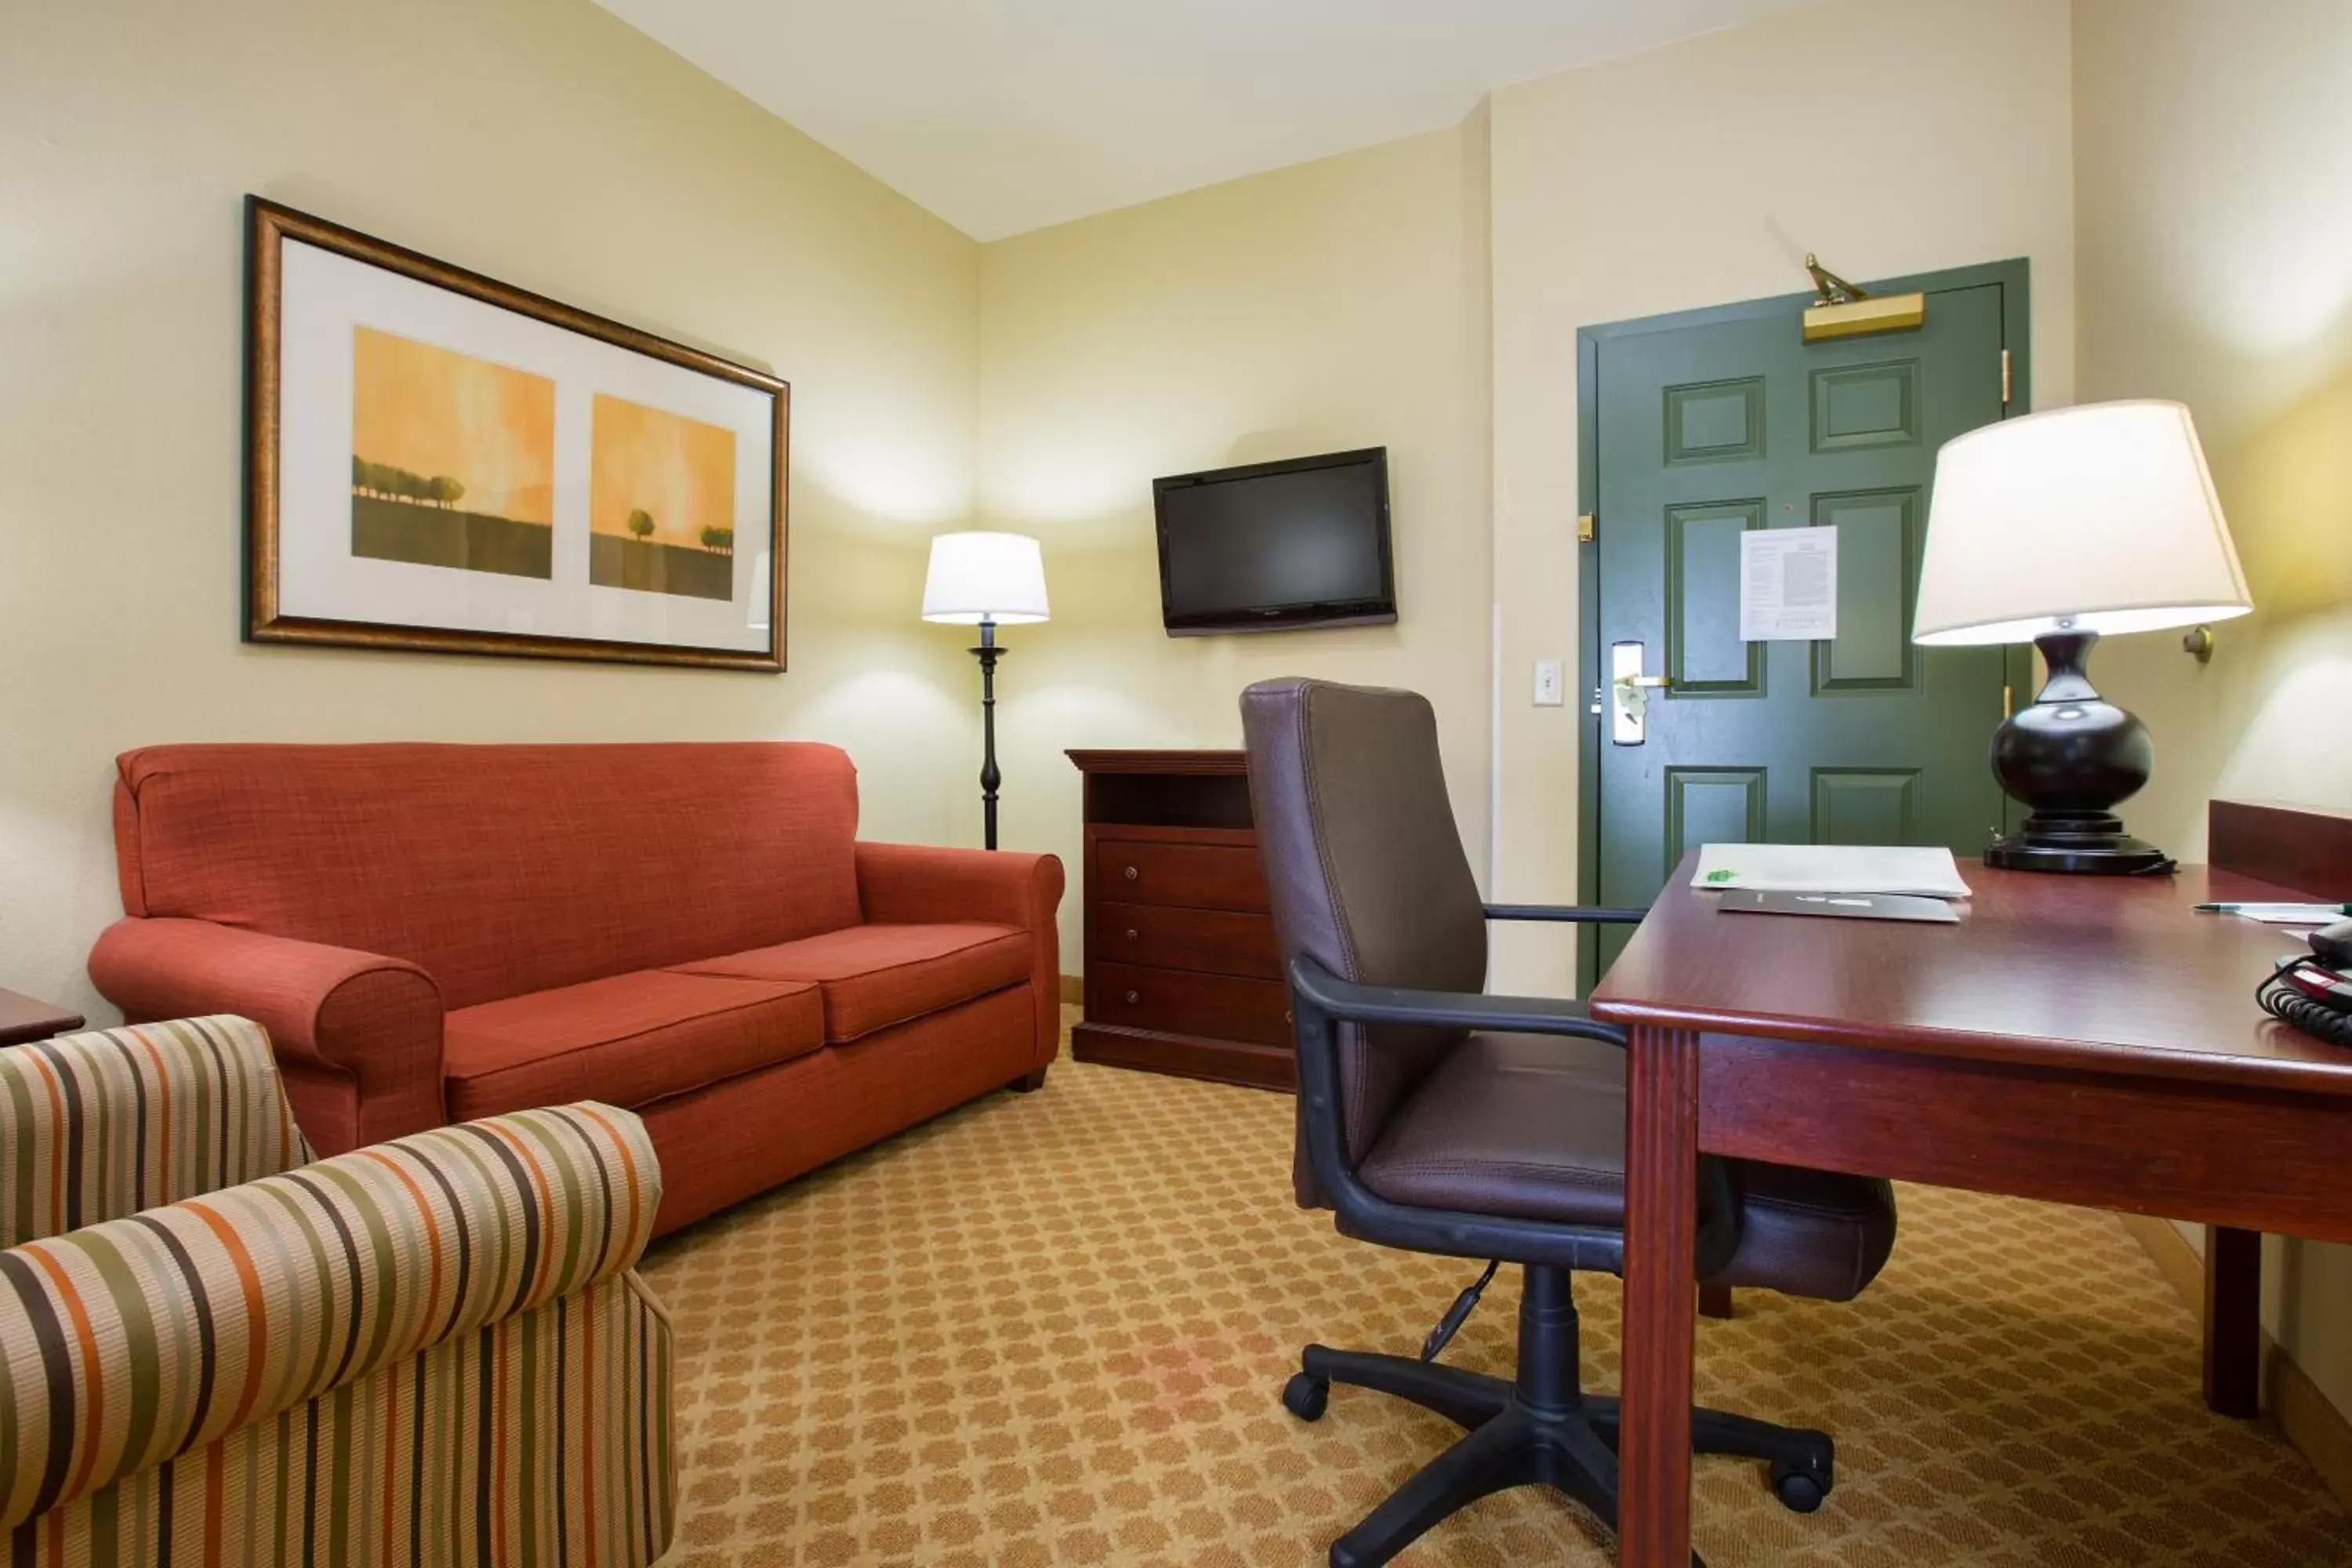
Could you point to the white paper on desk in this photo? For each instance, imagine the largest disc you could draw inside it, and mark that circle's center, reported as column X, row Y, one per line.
column 2289, row 914
column 1920, row 872
column 1787, row 584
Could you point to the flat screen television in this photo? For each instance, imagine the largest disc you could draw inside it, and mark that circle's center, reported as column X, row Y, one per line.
column 1302, row 543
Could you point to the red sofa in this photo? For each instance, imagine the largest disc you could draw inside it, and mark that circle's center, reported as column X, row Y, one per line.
column 437, row 933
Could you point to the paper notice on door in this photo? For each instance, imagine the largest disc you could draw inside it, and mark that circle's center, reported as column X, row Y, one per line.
column 1787, row 584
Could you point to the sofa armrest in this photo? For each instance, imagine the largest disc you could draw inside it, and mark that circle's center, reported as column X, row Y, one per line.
column 358, row 1034
column 172, row 1328
column 922, row 885
column 104, row 1124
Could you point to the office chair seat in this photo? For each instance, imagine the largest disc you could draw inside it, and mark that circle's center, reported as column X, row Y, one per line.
column 1528, row 1125
column 1533, row 1126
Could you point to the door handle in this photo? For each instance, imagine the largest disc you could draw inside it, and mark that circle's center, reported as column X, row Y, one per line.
column 1628, row 694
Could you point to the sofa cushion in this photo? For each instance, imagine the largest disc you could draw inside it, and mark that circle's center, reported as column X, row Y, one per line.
column 628, row 1040
column 499, row 871
column 876, row 975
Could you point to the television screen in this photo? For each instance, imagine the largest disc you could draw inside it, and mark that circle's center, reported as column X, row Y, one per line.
column 1273, row 545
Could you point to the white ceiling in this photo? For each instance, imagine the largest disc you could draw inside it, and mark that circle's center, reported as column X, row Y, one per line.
column 1003, row 116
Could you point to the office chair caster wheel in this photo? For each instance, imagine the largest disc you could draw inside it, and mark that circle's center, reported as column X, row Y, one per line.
column 1306, row 1396
column 1801, row 1488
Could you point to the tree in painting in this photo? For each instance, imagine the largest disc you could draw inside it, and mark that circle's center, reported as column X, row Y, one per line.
column 386, row 480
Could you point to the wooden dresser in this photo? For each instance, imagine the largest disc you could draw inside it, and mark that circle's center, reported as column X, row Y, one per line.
column 1183, row 974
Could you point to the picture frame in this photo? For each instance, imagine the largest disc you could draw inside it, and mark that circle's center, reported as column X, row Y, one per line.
column 439, row 462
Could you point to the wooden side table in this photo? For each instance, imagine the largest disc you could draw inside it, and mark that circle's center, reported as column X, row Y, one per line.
column 23, row 1018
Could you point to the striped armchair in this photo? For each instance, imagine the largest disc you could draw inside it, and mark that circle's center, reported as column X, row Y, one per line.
column 216, row 1352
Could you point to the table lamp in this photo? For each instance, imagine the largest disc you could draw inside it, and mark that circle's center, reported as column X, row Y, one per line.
column 2056, row 529
column 986, row 580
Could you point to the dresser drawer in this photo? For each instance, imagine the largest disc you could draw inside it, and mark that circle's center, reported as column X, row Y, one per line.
column 1220, row 1007
column 1189, row 875
column 1214, row 942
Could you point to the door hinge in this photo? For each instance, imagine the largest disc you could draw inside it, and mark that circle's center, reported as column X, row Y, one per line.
column 2004, row 378
column 1588, row 528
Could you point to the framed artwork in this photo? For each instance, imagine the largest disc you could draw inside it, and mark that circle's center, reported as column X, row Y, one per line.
column 438, row 460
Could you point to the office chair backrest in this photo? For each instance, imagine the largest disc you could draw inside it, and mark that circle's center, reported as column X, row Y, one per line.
column 1365, row 869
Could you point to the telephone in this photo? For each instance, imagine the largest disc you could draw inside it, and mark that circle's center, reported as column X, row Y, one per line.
column 2314, row 990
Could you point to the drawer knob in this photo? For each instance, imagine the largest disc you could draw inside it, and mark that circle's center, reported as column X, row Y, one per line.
column 1130, row 873
column 1131, row 934
column 1133, row 997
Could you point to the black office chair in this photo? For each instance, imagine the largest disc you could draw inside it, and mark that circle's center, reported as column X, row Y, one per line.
column 1437, row 1119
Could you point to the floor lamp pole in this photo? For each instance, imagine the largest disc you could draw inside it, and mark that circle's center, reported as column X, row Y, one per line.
column 990, row 778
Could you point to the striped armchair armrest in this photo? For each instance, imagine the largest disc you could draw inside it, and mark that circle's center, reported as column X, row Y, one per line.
column 430, row 1352
column 102, row 1125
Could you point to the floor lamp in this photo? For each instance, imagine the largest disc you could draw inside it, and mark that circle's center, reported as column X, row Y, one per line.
column 987, row 580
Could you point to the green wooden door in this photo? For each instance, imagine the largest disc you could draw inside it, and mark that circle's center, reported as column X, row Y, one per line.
column 1705, row 429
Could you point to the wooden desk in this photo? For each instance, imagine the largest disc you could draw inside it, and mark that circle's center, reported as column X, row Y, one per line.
column 2081, row 1039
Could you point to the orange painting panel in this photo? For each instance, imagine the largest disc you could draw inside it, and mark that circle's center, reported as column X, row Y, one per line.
column 679, row 471
column 433, row 411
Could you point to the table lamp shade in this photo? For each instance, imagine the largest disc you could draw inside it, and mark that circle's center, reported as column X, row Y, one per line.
column 2099, row 518
column 982, row 576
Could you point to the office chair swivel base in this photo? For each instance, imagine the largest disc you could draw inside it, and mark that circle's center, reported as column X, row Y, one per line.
column 1538, row 1429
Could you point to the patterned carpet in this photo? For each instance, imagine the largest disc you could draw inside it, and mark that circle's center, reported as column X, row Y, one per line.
column 1050, row 1330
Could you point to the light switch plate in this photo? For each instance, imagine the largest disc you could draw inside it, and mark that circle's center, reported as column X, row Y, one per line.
column 1550, row 692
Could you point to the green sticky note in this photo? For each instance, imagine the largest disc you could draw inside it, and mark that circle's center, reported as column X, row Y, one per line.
column 1721, row 876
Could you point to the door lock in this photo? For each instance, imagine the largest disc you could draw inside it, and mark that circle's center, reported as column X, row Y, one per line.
column 1628, row 694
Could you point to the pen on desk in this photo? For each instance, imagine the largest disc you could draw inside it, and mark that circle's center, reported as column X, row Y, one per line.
column 2280, row 904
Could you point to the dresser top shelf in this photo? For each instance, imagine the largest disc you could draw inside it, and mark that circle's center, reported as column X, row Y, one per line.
column 1231, row 764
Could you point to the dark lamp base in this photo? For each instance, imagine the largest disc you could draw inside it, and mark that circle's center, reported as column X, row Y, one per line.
column 2070, row 757
column 2090, row 843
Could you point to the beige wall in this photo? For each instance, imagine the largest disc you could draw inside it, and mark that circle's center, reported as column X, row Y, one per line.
column 1891, row 137
column 1332, row 305
column 541, row 141
column 1360, row 299
column 2214, row 148
column 1340, row 303
column 2214, row 142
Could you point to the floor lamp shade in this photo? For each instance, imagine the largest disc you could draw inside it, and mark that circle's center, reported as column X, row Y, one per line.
column 2056, row 529
column 981, row 576
column 986, row 580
